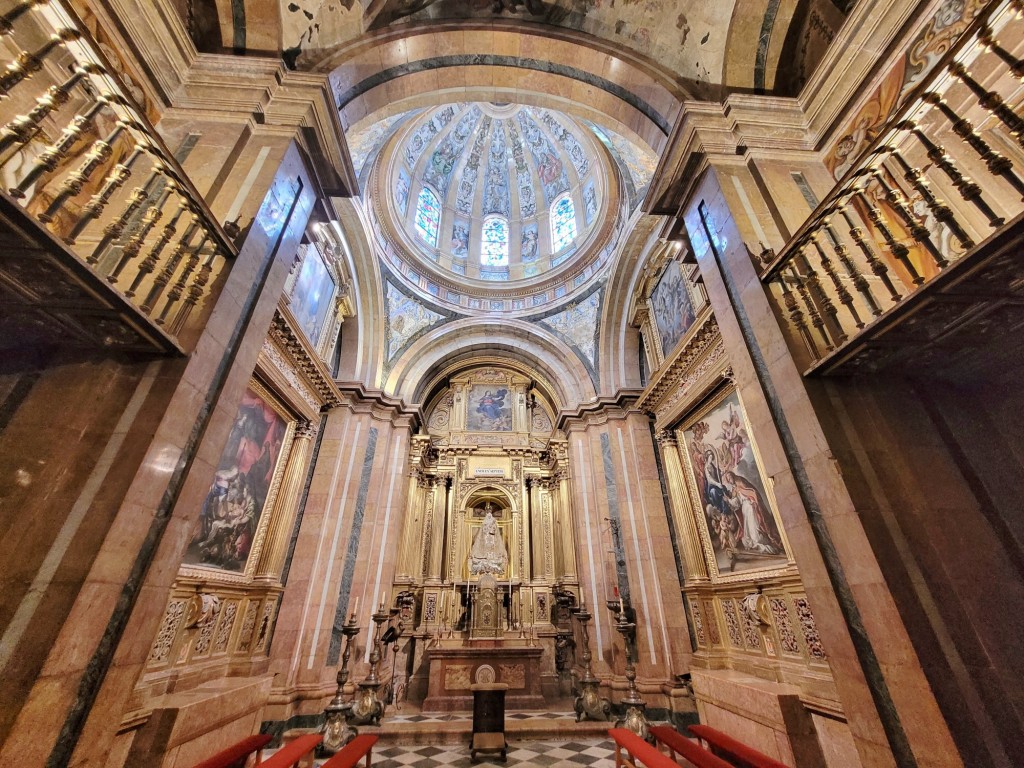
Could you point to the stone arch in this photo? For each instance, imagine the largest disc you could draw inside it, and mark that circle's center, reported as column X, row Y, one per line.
column 460, row 343
column 429, row 64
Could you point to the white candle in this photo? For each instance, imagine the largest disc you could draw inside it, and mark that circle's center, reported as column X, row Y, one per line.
column 355, row 608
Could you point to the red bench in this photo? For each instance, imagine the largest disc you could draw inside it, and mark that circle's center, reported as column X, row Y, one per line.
column 235, row 755
column 292, row 753
column 690, row 751
column 350, row 755
column 637, row 751
column 738, row 753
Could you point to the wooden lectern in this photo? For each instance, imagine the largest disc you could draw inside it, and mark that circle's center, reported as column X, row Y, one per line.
column 488, row 720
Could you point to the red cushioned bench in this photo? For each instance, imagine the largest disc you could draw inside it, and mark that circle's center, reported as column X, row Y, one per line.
column 637, row 751
column 678, row 744
column 737, row 753
column 350, row 755
column 236, row 755
column 294, row 752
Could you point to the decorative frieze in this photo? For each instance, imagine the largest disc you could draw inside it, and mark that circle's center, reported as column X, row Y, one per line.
column 780, row 612
column 168, row 631
column 305, row 361
column 732, row 622
column 803, row 611
column 698, row 622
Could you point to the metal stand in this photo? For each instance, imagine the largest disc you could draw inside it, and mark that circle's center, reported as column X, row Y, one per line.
column 634, row 718
column 368, row 709
column 337, row 731
column 590, row 704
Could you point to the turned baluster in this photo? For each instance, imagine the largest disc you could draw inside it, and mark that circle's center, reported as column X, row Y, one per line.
column 876, row 264
column 19, row 10
column 990, row 101
column 857, row 277
column 918, row 231
column 896, row 248
column 796, row 315
column 942, row 212
column 163, row 278
column 812, row 311
column 988, row 40
column 27, row 63
column 118, row 175
column 845, row 298
column 134, row 244
column 998, row 164
column 829, row 312
column 22, row 128
column 98, row 153
column 195, row 293
column 153, row 257
column 53, row 154
column 182, row 282
column 136, row 200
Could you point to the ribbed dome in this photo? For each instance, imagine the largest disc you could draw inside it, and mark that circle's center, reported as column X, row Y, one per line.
column 495, row 191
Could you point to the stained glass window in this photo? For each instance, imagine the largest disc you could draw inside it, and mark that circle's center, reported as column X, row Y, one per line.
column 563, row 222
column 428, row 216
column 495, row 245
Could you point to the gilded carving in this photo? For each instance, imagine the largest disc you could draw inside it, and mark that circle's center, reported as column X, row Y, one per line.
column 227, row 621
column 811, row 637
column 248, row 625
column 167, row 632
column 698, row 622
column 780, row 612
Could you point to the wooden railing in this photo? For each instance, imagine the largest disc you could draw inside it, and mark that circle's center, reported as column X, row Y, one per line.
column 71, row 138
column 941, row 178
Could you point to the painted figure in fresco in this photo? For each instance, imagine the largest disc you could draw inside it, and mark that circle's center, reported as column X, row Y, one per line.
column 488, row 554
column 757, row 532
column 460, row 240
column 590, row 201
column 734, row 437
column 492, row 404
column 530, row 244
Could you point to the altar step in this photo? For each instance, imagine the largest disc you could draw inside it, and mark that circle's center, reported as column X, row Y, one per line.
column 457, row 728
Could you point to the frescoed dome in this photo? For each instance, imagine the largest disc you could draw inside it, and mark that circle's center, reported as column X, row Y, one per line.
column 496, row 192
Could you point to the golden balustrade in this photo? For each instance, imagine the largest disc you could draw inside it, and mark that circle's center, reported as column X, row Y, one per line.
column 942, row 177
column 72, row 139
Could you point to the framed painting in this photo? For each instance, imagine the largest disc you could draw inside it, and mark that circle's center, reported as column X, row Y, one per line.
column 671, row 307
column 734, row 509
column 313, row 294
column 489, row 409
column 235, row 510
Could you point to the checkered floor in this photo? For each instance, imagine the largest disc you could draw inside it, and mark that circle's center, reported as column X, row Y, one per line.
column 532, row 754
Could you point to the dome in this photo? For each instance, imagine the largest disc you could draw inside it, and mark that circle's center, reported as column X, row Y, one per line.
column 496, row 192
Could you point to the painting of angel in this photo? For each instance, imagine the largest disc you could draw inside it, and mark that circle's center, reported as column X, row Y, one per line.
column 489, row 409
column 730, row 489
column 673, row 311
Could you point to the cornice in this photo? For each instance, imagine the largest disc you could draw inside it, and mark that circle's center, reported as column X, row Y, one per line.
column 598, row 410
column 312, row 368
column 699, row 356
column 357, row 393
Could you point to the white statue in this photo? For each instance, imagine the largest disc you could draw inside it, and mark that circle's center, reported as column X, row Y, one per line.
column 488, row 554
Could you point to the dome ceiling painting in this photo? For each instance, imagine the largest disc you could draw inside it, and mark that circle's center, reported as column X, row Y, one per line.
column 497, row 206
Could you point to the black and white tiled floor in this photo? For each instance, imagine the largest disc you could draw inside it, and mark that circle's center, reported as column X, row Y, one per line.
column 531, row 754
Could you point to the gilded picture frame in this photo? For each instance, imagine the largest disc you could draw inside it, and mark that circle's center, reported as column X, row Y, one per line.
column 198, row 563
column 731, row 499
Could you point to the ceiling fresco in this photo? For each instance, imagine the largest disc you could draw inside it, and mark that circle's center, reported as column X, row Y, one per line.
column 763, row 44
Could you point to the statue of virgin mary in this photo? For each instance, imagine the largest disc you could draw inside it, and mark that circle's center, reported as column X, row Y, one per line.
column 488, row 554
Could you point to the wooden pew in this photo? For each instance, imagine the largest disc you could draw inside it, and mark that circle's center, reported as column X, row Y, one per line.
column 236, row 755
column 738, row 753
column 294, row 752
column 632, row 751
column 350, row 755
column 678, row 744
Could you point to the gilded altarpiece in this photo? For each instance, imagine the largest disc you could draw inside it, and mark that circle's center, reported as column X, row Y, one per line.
column 491, row 464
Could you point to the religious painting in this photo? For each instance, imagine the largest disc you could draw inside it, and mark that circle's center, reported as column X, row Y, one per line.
column 730, row 490
column 242, row 485
column 489, row 409
column 460, row 239
column 530, row 243
column 402, row 186
column 312, row 295
column 673, row 311
column 590, row 202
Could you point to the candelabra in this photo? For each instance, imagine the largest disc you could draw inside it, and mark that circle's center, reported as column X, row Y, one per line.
column 589, row 704
column 337, row 731
column 633, row 717
column 368, row 708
